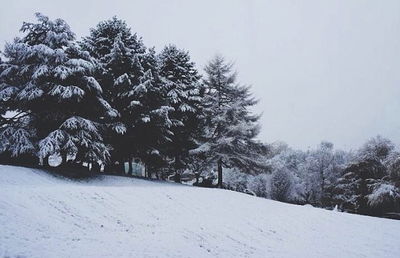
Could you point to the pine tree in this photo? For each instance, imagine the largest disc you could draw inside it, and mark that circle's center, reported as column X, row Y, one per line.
column 229, row 126
column 48, row 82
column 366, row 183
column 152, row 131
column 183, row 96
column 133, row 86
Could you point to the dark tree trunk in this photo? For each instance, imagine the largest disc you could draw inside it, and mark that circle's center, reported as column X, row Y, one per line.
column 363, row 206
column 220, row 173
column 96, row 168
column 46, row 162
column 121, row 167
column 63, row 159
column 108, row 168
column 177, row 178
column 130, row 165
column 148, row 172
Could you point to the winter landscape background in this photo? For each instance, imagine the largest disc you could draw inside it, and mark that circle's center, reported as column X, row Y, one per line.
column 107, row 139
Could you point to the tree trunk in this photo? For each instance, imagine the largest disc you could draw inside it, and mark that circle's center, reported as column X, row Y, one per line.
column 63, row 159
column 121, row 167
column 96, row 168
column 108, row 168
column 177, row 178
column 220, row 173
column 148, row 172
column 130, row 165
column 46, row 162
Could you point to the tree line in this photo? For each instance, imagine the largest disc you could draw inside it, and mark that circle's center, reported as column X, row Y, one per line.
column 365, row 181
column 107, row 99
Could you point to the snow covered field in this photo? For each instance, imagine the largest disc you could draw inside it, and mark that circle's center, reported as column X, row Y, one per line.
column 43, row 216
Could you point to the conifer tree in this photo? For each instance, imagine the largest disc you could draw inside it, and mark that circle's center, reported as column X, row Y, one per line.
column 229, row 126
column 183, row 95
column 48, row 82
column 133, row 86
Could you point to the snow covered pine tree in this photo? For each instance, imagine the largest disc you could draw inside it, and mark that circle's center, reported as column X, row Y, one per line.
column 229, row 127
column 182, row 83
column 367, row 185
column 48, row 83
column 132, row 85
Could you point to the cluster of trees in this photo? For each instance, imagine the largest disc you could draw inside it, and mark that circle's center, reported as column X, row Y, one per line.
column 366, row 181
column 107, row 99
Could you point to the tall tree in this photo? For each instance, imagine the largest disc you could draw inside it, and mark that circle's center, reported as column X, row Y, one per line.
column 183, row 95
column 229, row 126
column 48, row 83
column 133, row 86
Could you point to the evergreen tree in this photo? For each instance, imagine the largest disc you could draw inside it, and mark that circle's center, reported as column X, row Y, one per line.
column 152, row 129
column 368, row 185
column 229, row 126
column 133, row 86
column 47, row 81
column 183, row 95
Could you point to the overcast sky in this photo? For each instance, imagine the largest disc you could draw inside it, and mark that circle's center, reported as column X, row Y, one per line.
column 322, row 70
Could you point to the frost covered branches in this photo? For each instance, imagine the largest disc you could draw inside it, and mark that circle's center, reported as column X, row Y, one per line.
column 365, row 182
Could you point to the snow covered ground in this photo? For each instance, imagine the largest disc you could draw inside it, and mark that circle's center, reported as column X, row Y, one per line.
column 44, row 216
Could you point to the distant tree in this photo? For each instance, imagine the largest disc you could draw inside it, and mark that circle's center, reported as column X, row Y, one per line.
column 368, row 185
column 281, row 185
column 385, row 197
column 392, row 162
column 358, row 180
column 314, row 171
column 260, row 185
column 322, row 167
column 377, row 148
column 236, row 180
column 229, row 127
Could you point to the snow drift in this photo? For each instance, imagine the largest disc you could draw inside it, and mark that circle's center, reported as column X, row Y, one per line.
column 45, row 216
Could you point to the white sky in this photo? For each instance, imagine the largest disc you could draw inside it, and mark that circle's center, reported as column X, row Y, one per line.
column 322, row 70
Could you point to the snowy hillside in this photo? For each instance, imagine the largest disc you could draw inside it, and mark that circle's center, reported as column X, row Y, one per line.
column 43, row 216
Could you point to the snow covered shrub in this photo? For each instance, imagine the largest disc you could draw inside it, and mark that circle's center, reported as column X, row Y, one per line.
column 384, row 198
column 281, row 185
column 260, row 185
column 235, row 180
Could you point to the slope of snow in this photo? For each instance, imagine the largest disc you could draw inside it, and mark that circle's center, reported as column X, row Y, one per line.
column 44, row 216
